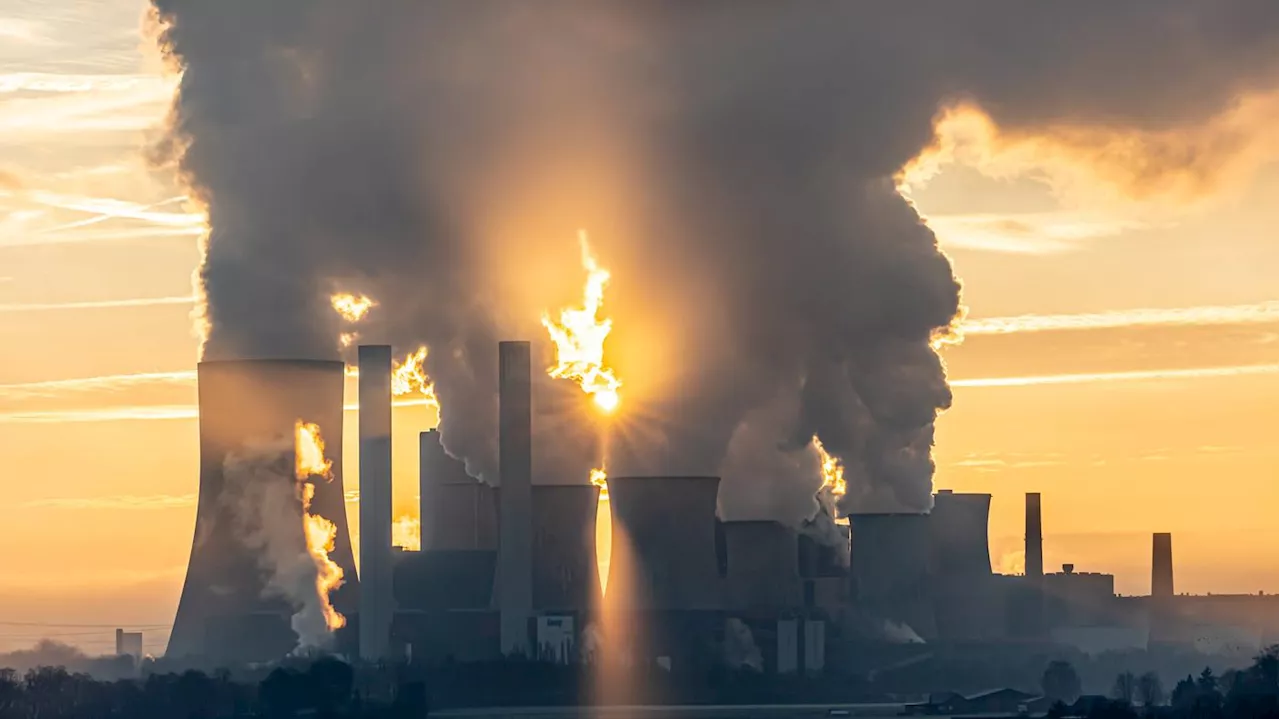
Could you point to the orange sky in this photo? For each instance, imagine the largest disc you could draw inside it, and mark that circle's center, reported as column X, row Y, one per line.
column 1127, row 421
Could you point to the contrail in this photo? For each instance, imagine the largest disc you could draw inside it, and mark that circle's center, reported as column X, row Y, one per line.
column 155, row 501
column 96, row 304
column 49, row 388
column 1261, row 312
column 1134, row 375
column 143, row 412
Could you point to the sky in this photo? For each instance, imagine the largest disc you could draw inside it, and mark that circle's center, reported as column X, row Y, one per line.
column 1119, row 353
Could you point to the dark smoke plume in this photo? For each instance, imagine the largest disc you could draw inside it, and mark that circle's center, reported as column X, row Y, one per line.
column 734, row 163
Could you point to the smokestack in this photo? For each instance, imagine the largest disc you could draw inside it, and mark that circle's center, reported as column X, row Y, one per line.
column 243, row 402
column 1034, row 559
column 1162, row 564
column 515, row 500
column 376, row 599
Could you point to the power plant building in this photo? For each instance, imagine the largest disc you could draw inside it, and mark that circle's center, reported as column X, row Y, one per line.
column 513, row 569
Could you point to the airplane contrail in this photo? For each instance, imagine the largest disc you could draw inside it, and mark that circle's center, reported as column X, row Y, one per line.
column 1260, row 312
column 155, row 501
column 144, row 413
column 1130, row 376
column 49, row 388
column 96, row 304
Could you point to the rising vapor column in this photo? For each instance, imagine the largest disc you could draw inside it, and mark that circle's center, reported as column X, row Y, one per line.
column 515, row 470
column 375, row 501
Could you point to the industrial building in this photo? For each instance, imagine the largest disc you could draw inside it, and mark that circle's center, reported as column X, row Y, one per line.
column 512, row 569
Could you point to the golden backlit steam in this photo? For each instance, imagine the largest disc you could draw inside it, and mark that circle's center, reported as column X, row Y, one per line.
column 1178, row 165
column 409, row 377
column 353, row 308
column 309, row 452
column 600, row 478
column 579, row 337
column 952, row 334
column 832, row 471
column 406, row 532
column 309, row 462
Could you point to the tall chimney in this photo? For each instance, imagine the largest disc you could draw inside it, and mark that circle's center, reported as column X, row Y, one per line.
column 1034, row 559
column 376, row 602
column 1162, row 564
column 515, row 471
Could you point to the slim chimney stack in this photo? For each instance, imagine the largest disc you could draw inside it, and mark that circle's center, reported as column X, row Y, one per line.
column 375, row 501
column 1034, row 549
column 1162, row 564
column 515, row 520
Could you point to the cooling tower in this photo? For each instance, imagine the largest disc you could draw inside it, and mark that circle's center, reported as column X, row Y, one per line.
column 664, row 555
column 763, row 566
column 515, row 470
column 1034, row 551
column 458, row 512
column 1162, row 564
column 966, row 603
column 241, row 403
column 958, row 526
column 889, row 563
column 565, row 575
column 377, row 603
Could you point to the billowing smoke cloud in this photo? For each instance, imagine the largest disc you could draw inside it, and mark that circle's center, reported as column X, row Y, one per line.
column 734, row 163
column 260, row 484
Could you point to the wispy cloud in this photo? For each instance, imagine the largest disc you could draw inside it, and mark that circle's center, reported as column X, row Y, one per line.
column 134, row 413
column 103, row 414
column 1024, row 233
column 50, row 388
column 124, row 501
column 105, row 208
column 28, row 32
column 37, row 106
column 1260, row 312
column 143, row 220
column 96, row 304
column 1128, row 376
column 65, row 82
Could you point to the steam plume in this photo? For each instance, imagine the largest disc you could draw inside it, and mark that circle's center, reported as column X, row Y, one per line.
column 735, row 163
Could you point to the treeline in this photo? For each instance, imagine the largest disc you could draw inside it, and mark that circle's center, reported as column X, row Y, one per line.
column 1250, row 693
column 327, row 688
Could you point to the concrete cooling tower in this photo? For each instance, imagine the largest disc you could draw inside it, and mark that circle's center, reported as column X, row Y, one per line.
column 889, row 564
column 458, row 513
column 227, row 612
column 958, row 525
column 763, row 566
column 664, row 555
column 565, row 575
column 967, row 605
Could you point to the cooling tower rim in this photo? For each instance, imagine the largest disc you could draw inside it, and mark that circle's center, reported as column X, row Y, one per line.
column 634, row 479
column 269, row 362
column 757, row 522
column 545, row 489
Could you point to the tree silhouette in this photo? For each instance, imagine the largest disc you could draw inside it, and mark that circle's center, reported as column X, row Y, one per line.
column 1060, row 681
column 1125, row 687
column 1150, row 690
